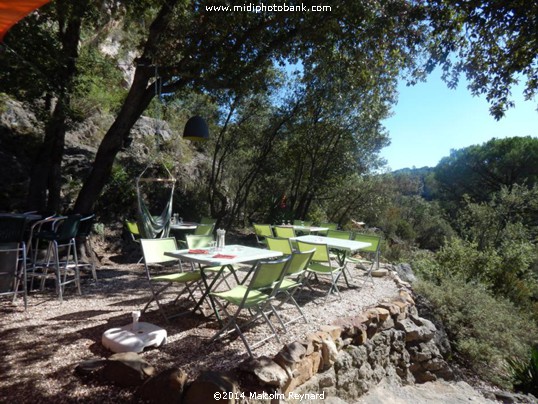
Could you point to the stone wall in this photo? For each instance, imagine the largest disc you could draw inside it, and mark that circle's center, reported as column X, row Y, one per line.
column 338, row 363
column 389, row 341
column 345, row 359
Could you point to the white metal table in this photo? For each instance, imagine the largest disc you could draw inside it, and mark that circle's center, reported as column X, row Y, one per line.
column 184, row 226
column 342, row 247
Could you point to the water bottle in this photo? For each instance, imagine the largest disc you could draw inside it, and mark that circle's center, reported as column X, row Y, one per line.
column 220, row 239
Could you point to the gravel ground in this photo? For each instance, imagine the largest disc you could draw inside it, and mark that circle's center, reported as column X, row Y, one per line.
column 41, row 346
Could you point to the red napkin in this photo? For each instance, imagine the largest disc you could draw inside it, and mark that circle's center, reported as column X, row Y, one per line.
column 225, row 256
column 198, row 251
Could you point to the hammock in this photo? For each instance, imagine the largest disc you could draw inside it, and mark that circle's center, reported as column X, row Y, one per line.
column 151, row 226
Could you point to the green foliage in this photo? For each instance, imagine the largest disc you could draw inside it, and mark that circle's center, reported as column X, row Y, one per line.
column 98, row 86
column 119, row 196
column 525, row 373
column 492, row 42
column 480, row 171
column 487, row 331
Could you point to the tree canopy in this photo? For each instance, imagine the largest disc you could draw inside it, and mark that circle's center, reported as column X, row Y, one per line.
column 481, row 171
column 350, row 59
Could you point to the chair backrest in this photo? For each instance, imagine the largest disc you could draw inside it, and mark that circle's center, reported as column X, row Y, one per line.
column 153, row 249
column 204, row 229
column 369, row 238
column 279, row 244
column 284, row 231
column 320, row 255
column 12, row 228
column 133, row 229
column 299, row 261
column 267, row 274
column 85, row 226
column 263, row 230
column 208, row 220
column 306, row 223
column 329, row 225
column 198, row 241
column 68, row 228
column 344, row 235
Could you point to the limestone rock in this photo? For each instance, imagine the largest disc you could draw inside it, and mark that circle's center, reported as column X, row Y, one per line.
column 405, row 272
column 415, row 332
column 379, row 273
column 267, row 371
column 90, row 367
column 127, row 369
column 163, row 388
column 203, row 389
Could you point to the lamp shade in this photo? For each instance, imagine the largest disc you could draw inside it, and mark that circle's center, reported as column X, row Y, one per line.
column 196, row 129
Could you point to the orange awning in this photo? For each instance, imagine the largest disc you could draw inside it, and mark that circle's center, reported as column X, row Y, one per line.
column 12, row 11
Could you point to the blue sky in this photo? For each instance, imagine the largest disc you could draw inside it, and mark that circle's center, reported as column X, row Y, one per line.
column 430, row 119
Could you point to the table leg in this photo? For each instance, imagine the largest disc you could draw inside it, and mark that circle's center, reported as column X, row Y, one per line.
column 208, row 288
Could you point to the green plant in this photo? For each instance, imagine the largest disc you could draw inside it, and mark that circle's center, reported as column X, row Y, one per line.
column 486, row 331
column 525, row 373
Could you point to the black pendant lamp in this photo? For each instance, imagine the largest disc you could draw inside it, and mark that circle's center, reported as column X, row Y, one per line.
column 196, row 129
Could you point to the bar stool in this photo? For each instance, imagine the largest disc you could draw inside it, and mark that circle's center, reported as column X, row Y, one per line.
column 13, row 256
column 62, row 234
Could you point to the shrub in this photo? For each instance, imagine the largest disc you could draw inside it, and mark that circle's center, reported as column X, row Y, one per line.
column 486, row 331
column 525, row 373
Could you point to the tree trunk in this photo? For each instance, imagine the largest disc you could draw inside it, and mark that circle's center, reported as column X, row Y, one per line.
column 44, row 190
column 46, row 179
column 135, row 103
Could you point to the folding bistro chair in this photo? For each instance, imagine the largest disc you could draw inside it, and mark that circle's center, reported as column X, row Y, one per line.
column 13, row 256
column 134, row 232
column 204, row 229
column 262, row 231
column 208, row 220
column 254, row 299
column 284, row 231
column 322, row 265
column 372, row 252
column 153, row 254
column 341, row 234
column 293, row 281
column 198, row 242
column 279, row 244
column 329, row 226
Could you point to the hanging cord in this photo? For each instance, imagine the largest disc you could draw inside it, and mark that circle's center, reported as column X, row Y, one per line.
column 155, row 226
column 158, row 108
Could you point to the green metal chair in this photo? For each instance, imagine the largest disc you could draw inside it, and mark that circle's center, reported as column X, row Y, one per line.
column 329, row 226
column 293, row 281
column 204, row 229
column 153, row 253
column 134, row 232
column 322, row 265
column 279, row 244
column 262, row 231
column 344, row 235
column 372, row 252
column 284, row 232
column 195, row 241
column 208, row 220
column 306, row 223
column 255, row 299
